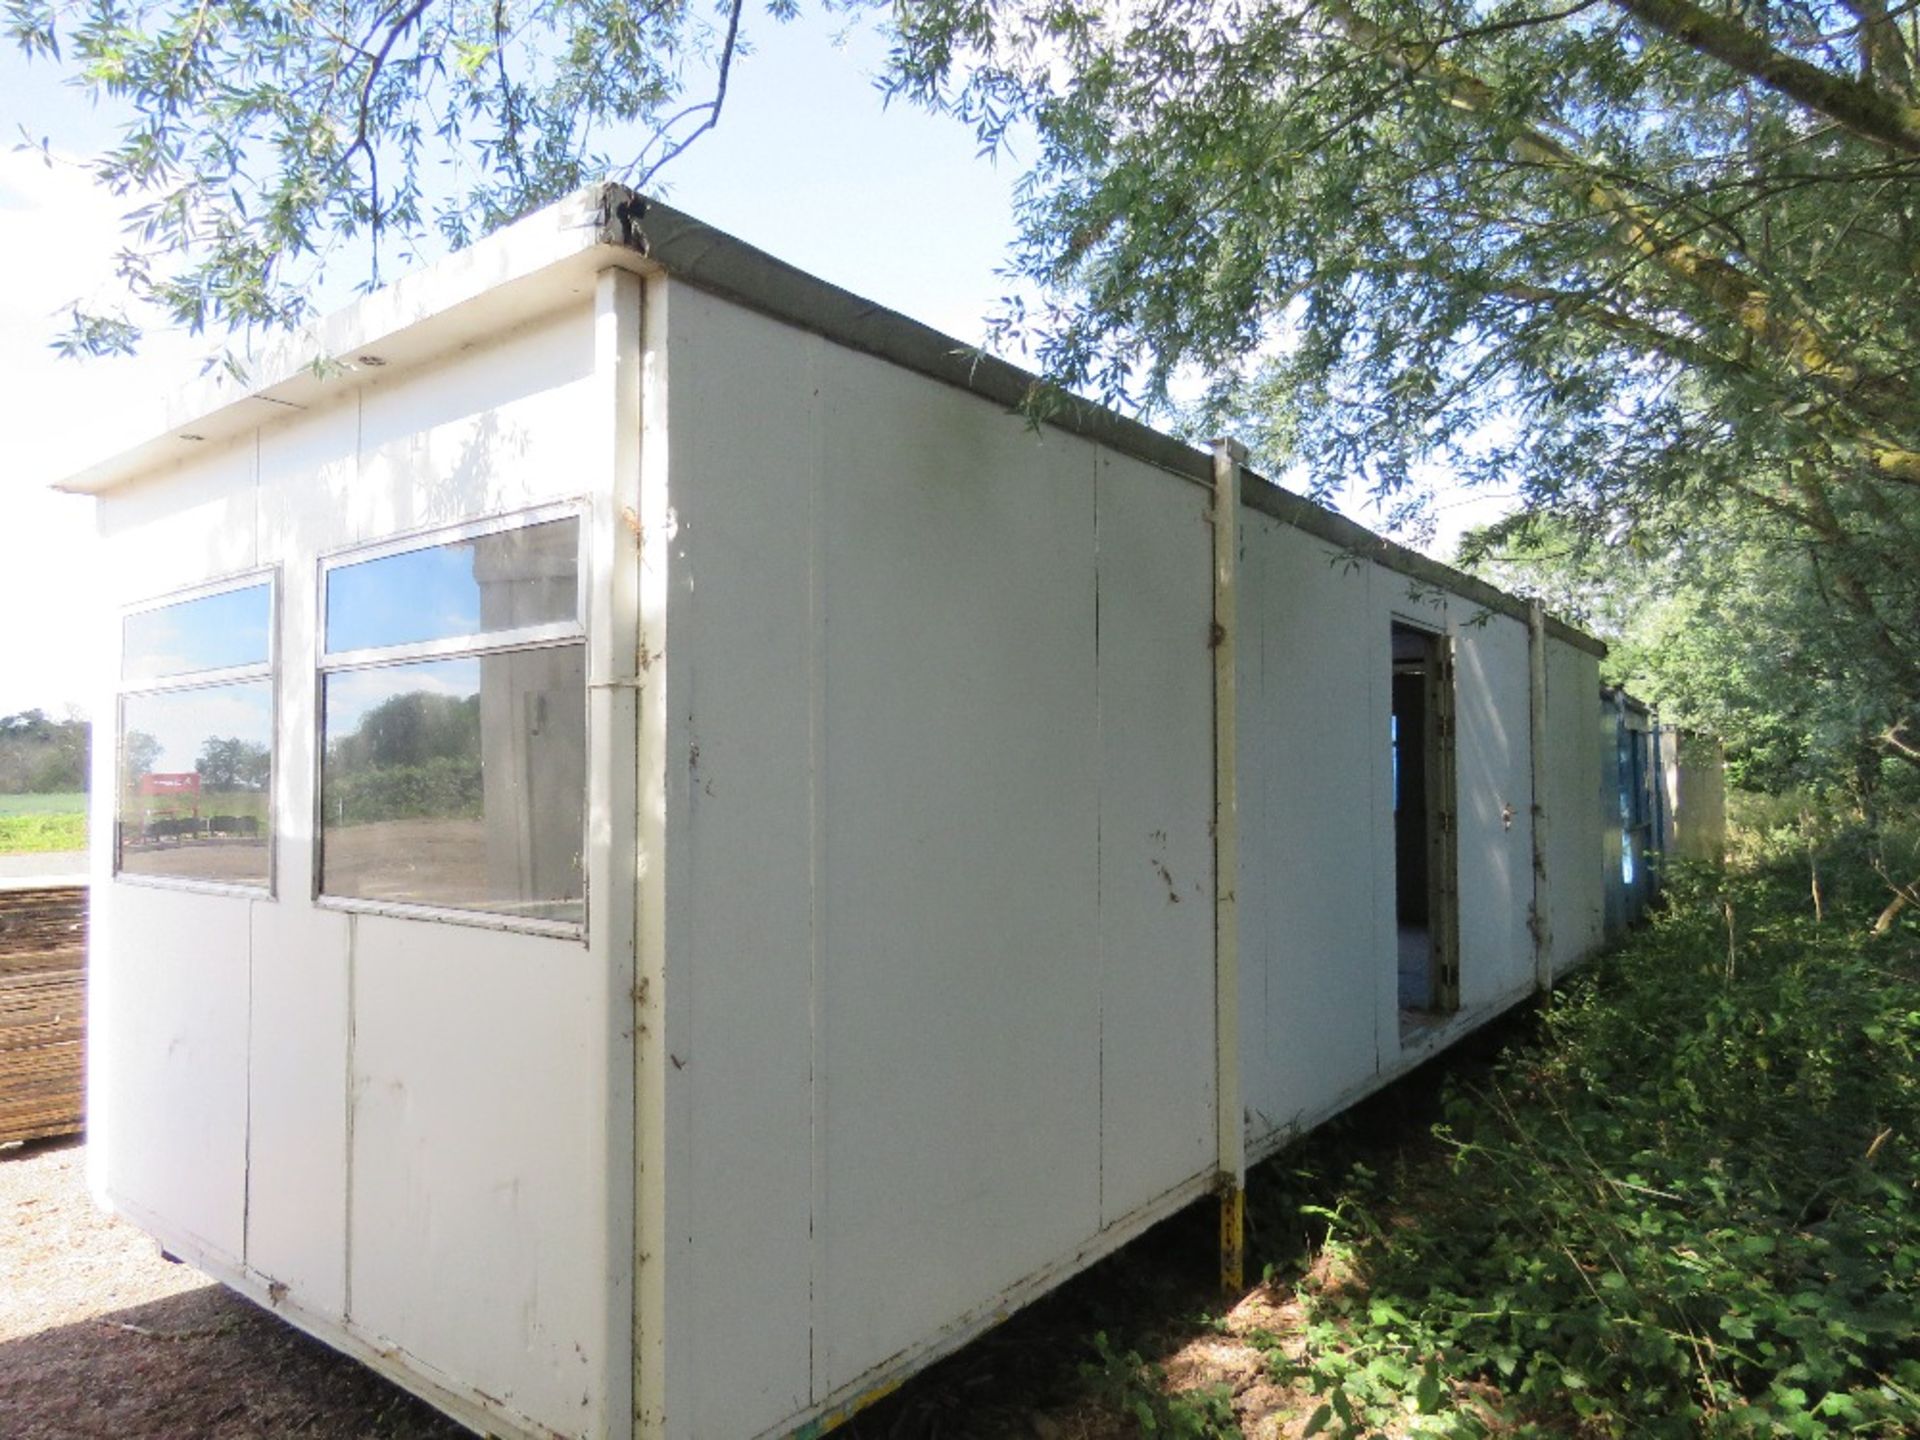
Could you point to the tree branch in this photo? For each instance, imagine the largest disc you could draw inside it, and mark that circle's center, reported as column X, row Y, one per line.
column 712, row 107
column 1861, row 108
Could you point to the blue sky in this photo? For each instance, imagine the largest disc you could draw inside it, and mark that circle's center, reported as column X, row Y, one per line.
column 806, row 163
column 893, row 204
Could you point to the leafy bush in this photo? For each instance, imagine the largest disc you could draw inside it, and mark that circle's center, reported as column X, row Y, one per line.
column 1690, row 1206
column 444, row 787
column 1128, row 1386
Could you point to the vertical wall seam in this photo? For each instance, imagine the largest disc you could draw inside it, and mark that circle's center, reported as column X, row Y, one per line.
column 618, row 318
column 816, row 901
column 1099, row 862
column 246, row 1123
column 353, row 1013
column 1386, row 943
column 276, row 711
column 1229, row 457
column 259, row 547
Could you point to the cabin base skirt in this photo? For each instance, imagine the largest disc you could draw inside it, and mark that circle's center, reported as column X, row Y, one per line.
column 884, row 1379
column 482, row 1414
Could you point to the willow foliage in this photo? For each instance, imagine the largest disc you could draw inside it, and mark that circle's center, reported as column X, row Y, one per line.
column 1644, row 260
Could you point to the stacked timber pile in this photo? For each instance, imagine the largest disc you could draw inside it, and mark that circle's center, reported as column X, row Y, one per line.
column 43, row 1008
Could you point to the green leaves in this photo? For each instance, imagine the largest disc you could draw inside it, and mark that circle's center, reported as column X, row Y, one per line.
column 1553, row 249
column 263, row 143
column 1580, row 1249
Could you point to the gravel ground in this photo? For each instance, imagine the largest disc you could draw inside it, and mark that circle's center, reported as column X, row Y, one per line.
column 101, row 1339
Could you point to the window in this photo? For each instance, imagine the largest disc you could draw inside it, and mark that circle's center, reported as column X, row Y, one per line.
column 196, row 737
column 453, row 769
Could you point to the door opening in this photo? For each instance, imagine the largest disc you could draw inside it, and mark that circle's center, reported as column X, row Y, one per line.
column 1424, row 846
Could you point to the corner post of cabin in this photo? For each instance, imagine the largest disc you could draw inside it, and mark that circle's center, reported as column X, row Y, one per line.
column 613, row 731
column 652, row 1388
column 1229, row 456
column 1541, row 919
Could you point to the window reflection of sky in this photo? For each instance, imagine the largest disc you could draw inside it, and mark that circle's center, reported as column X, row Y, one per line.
column 182, row 721
column 351, row 694
column 433, row 593
column 215, row 632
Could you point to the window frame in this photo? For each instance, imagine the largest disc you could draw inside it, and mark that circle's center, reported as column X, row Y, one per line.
column 229, row 675
column 551, row 635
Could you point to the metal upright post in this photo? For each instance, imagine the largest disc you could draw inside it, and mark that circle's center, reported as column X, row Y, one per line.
column 1228, row 458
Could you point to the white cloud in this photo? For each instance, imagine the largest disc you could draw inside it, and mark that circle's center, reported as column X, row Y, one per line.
column 59, row 232
column 183, row 721
column 351, row 694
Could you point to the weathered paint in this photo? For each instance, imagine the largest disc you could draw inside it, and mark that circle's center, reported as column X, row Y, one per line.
column 1230, row 1126
column 1493, row 799
column 970, row 953
column 342, row 1112
column 1314, row 943
column 935, row 762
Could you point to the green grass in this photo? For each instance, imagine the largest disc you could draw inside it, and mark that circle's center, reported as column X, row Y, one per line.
column 138, row 809
column 60, row 803
column 37, row 834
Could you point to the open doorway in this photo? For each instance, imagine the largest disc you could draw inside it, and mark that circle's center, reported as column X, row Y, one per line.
column 1426, row 892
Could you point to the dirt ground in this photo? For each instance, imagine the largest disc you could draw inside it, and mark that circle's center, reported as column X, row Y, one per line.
column 103, row 1339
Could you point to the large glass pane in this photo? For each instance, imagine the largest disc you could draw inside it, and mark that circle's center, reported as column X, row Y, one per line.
column 215, row 632
column 195, row 773
column 458, row 783
column 503, row 581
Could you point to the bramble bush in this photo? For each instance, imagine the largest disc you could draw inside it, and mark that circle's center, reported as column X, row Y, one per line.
column 1688, row 1207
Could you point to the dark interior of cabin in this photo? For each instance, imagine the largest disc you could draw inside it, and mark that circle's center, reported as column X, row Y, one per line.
column 1412, row 815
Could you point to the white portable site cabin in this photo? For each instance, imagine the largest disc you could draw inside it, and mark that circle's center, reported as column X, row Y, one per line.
column 1665, row 789
column 669, row 859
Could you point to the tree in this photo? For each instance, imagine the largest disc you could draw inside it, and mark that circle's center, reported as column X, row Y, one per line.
column 233, row 764
column 413, row 728
column 139, row 752
column 41, row 755
column 1642, row 260
column 1798, row 708
column 1650, row 264
column 265, row 137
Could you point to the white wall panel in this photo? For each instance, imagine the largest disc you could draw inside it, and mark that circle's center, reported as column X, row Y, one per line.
column 186, row 525
column 1318, row 721
column 297, row 1105
column 947, row 821
column 494, row 428
column 169, row 969
column 1493, row 790
column 745, row 440
column 173, row 1020
column 1156, row 848
column 297, row 1072
column 958, row 999
column 478, row 1239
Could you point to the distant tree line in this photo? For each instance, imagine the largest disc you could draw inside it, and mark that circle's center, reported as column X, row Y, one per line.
column 412, row 755
column 231, row 763
column 40, row 755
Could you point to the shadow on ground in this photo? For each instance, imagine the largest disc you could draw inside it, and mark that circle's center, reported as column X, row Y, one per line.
column 206, row 1364
column 210, row 1365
